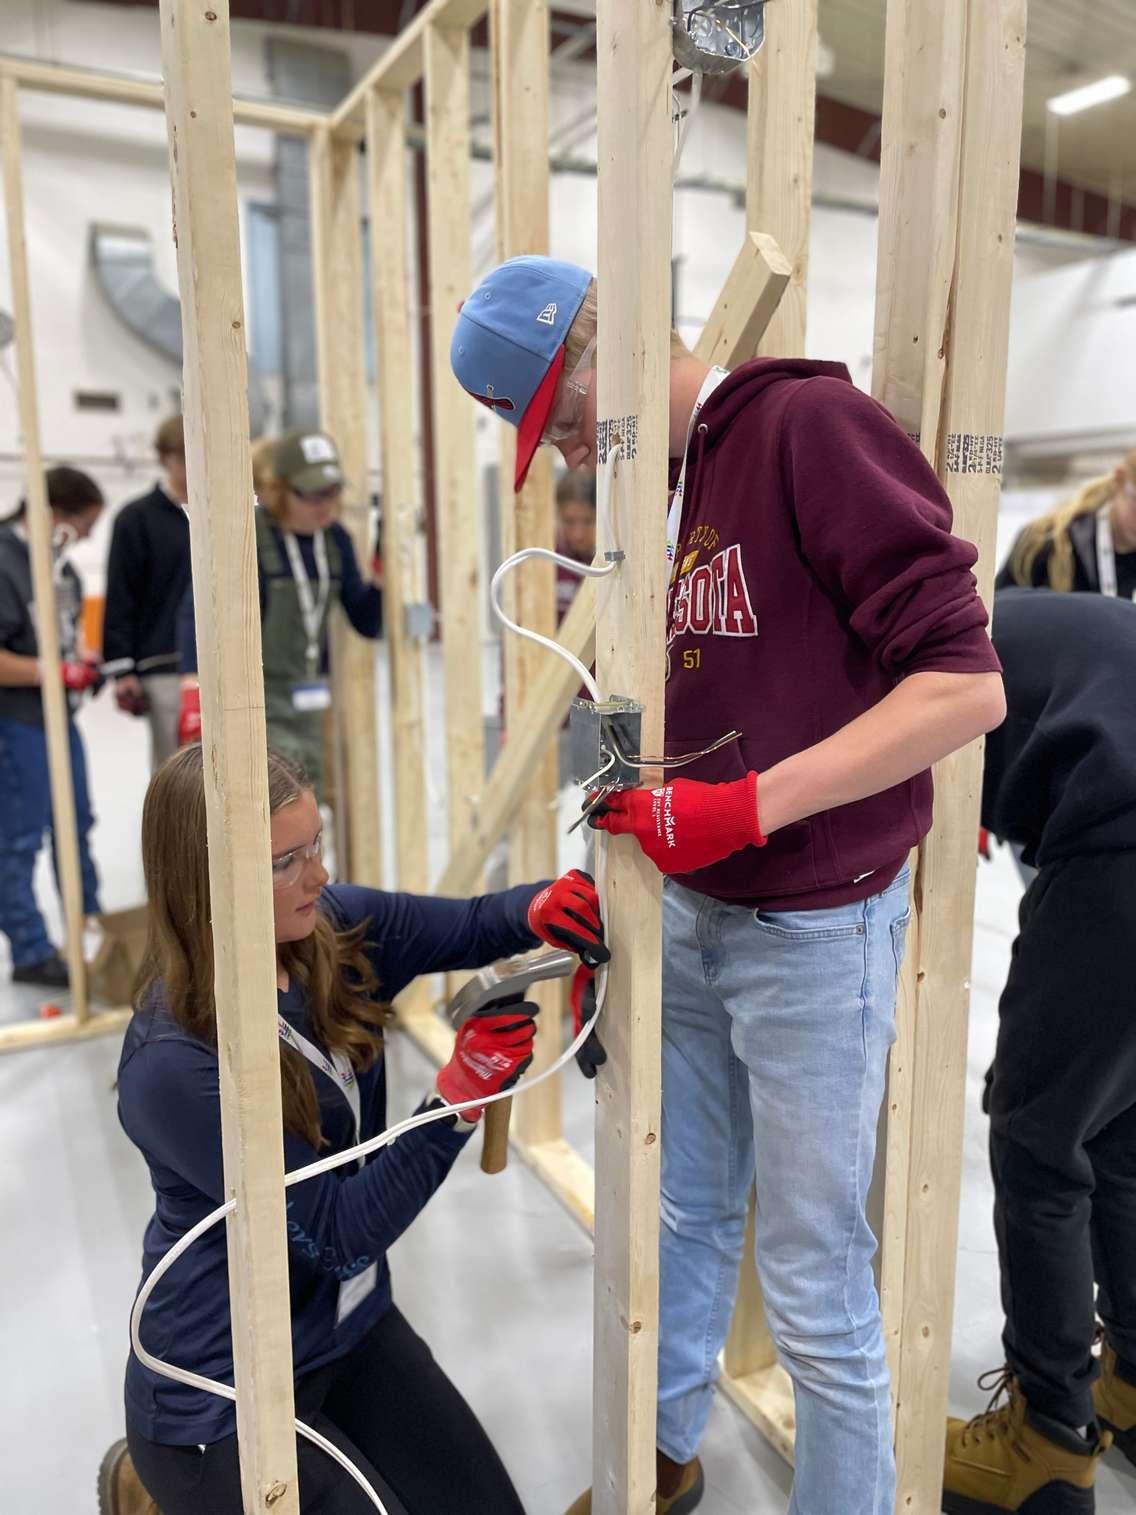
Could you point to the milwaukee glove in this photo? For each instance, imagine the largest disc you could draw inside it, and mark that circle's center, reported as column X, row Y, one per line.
column 189, row 715
column 685, row 825
column 591, row 1056
column 490, row 1054
column 81, row 674
column 567, row 914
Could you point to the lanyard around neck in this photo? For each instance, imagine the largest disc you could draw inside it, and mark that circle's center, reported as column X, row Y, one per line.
column 337, row 1067
column 312, row 608
column 674, row 515
column 1106, row 554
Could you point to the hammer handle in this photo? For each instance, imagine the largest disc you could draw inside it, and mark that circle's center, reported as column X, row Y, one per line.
column 495, row 1138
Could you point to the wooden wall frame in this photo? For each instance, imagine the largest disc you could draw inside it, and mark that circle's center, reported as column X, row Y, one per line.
column 950, row 143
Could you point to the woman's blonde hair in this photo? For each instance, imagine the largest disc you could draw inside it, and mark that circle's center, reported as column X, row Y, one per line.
column 340, row 986
column 1051, row 531
column 585, row 326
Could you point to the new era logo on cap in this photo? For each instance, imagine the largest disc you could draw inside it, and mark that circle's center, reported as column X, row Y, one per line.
column 508, row 344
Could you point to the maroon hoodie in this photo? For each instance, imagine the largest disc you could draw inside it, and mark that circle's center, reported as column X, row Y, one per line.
column 815, row 569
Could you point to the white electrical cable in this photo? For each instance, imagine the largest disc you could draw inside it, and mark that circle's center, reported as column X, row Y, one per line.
column 313, row 1170
column 585, row 570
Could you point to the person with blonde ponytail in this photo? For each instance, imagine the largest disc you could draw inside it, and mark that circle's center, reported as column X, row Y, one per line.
column 1086, row 544
column 363, row 1377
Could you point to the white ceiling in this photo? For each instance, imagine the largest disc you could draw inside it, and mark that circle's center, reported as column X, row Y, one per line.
column 1068, row 42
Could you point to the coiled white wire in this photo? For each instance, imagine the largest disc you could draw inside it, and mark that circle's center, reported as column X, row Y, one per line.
column 604, row 489
column 605, row 485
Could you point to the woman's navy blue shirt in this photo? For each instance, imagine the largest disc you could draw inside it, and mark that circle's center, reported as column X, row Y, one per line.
column 338, row 1223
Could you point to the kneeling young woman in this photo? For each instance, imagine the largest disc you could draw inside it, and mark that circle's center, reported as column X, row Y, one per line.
column 362, row 1375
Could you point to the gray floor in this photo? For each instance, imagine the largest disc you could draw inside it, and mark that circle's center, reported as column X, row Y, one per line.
column 494, row 1273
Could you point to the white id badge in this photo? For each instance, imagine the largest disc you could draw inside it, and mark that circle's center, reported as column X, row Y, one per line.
column 315, row 695
column 355, row 1291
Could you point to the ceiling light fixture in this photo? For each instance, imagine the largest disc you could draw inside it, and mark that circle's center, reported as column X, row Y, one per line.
column 1087, row 95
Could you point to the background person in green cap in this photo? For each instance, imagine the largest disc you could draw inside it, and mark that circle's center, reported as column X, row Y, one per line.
column 305, row 563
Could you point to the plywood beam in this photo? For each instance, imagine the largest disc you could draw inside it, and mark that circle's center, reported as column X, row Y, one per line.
column 455, row 459
column 90, row 84
column 402, row 566
column 404, row 62
column 56, row 718
column 196, row 62
column 337, row 276
column 633, row 47
column 520, row 54
column 950, row 146
column 782, row 108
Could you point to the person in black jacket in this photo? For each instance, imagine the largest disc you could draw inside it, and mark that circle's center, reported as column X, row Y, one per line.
column 147, row 574
column 76, row 502
column 1060, row 781
column 1088, row 544
column 363, row 1377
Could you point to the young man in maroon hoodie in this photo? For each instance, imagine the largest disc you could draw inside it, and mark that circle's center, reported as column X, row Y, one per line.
column 819, row 605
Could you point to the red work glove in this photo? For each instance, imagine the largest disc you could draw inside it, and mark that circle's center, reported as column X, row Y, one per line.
column 567, row 914
column 189, row 715
column 685, row 825
column 81, row 674
column 984, row 843
column 591, row 1056
column 490, row 1054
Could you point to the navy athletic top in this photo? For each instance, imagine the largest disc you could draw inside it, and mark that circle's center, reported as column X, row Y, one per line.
column 338, row 1223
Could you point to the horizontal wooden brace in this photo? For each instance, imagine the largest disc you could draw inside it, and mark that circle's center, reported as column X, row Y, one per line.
column 63, row 1028
column 90, row 84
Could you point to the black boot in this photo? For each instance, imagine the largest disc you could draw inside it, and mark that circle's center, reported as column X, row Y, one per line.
column 50, row 971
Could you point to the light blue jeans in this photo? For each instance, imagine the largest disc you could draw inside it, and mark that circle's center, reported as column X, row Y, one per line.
column 776, row 1029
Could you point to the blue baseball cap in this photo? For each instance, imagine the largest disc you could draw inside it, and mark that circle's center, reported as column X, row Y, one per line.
column 508, row 346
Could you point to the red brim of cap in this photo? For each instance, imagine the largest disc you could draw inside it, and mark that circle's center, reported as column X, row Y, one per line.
column 535, row 419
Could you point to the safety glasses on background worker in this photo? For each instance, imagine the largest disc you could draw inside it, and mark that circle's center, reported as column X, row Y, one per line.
column 288, row 866
column 568, row 407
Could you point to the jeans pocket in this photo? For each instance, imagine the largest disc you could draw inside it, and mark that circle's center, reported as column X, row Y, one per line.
column 834, row 924
column 899, row 939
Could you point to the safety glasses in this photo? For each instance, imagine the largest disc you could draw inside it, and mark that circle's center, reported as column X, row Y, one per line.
column 288, row 866
column 319, row 496
column 568, row 407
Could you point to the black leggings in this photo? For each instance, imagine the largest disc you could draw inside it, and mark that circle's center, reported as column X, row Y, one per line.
column 1063, row 1130
column 390, row 1408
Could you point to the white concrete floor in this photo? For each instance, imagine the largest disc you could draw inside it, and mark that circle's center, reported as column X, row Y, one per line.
column 494, row 1273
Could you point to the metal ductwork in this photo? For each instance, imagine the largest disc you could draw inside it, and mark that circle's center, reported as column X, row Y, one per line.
column 122, row 258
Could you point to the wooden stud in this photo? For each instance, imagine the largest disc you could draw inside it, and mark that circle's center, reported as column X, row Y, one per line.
column 519, row 33
column 950, row 160
column 196, row 61
column 403, row 64
column 782, row 103
column 633, row 49
column 56, row 718
column 337, row 276
column 747, row 304
column 782, row 108
column 402, row 569
column 455, row 459
column 91, row 84
column 24, row 1035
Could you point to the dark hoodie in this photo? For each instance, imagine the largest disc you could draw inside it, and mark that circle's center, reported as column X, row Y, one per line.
column 815, row 569
column 1060, row 774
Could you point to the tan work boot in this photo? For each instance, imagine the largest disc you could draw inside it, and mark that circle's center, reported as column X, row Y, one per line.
column 120, row 1488
column 683, row 1484
column 1114, row 1399
column 1014, row 1461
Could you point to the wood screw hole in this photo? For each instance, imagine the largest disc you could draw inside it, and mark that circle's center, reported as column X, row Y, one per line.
column 212, row 16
